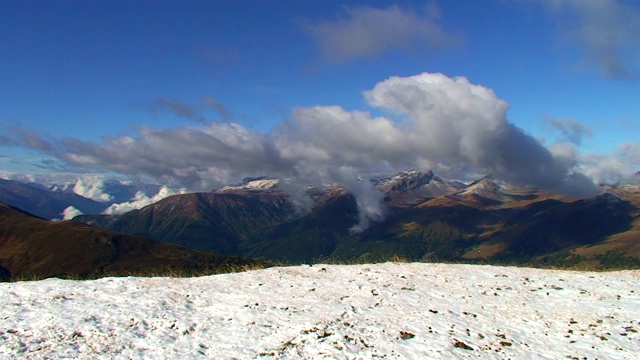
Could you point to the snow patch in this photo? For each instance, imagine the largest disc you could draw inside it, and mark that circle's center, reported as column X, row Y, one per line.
column 253, row 184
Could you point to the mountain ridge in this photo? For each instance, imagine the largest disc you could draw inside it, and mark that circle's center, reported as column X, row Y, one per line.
column 488, row 220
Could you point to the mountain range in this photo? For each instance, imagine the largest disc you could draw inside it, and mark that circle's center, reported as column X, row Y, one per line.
column 109, row 191
column 426, row 218
column 64, row 199
column 43, row 202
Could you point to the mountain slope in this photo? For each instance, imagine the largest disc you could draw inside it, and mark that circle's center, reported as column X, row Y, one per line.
column 309, row 238
column 215, row 222
column 546, row 231
column 34, row 247
column 625, row 243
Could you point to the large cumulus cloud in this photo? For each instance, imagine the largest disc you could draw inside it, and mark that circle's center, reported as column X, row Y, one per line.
column 454, row 121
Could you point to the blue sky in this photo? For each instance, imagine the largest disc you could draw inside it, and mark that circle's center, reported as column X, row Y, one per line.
column 80, row 78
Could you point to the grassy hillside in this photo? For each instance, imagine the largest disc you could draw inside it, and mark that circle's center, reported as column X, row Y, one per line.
column 32, row 247
column 203, row 221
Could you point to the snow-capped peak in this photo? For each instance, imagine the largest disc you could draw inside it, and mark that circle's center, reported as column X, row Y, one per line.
column 491, row 188
column 408, row 187
column 404, row 180
column 484, row 186
column 258, row 183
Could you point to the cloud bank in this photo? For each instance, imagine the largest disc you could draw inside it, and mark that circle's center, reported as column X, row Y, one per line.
column 432, row 121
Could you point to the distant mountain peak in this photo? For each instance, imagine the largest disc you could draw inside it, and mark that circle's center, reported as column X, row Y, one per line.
column 485, row 184
column 498, row 191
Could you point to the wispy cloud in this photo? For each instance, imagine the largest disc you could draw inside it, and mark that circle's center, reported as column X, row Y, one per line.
column 364, row 32
column 177, row 108
column 195, row 112
column 217, row 106
column 28, row 138
column 570, row 130
column 607, row 31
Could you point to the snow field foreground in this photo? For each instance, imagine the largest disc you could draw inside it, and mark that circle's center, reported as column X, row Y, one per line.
column 394, row 311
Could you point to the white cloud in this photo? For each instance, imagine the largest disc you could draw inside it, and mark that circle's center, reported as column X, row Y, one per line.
column 70, row 212
column 141, row 200
column 368, row 32
column 618, row 167
column 92, row 187
column 454, row 121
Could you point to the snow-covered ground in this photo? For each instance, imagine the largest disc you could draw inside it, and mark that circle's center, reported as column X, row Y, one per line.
column 395, row 311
